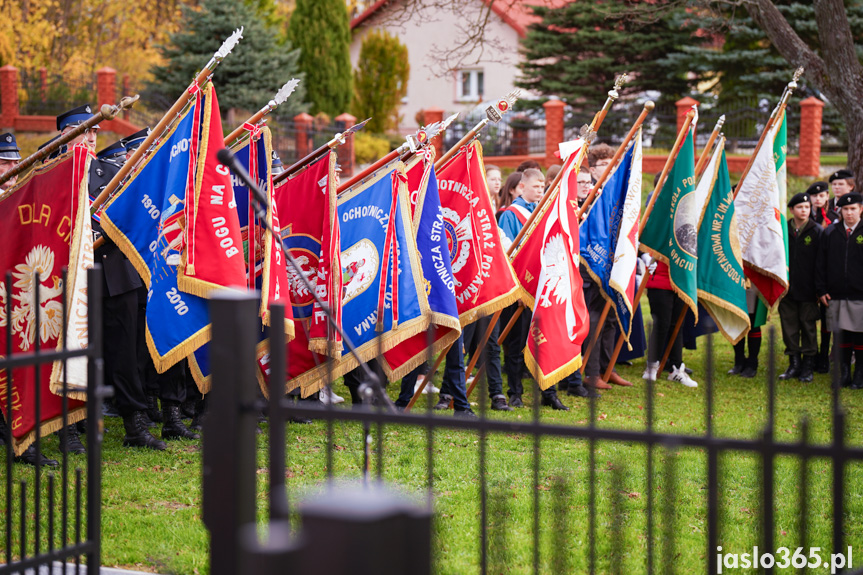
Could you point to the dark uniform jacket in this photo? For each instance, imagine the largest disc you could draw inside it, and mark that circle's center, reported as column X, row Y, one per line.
column 802, row 257
column 840, row 263
column 827, row 213
column 118, row 272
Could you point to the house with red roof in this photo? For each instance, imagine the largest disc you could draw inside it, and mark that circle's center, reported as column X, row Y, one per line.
column 441, row 74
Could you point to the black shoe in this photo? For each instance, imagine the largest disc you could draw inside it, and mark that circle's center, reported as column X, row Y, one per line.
column 554, row 402
column 150, row 423
column 515, row 401
column 153, row 409
column 806, row 375
column 72, row 443
column 793, row 368
column 29, row 458
column 624, row 362
column 845, row 375
column 468, row 413
column 822, row 363
column 301, row 420
column 582, row 391
column 108, row 409
column 749, row 372
column 443, row 402
column 173, row 428
column 499, row 404
column 736, row 370
column 857, row 382
column 187, row 408
column 138, row 434
column 562, row 385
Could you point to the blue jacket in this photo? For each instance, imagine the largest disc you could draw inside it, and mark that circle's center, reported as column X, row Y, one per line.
column 509, row 223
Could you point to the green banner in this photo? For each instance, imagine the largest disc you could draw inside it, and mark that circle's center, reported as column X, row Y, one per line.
column 721, row 283
column 671, row 232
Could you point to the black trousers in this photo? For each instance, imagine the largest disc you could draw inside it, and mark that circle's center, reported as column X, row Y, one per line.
column 799, row 330
column 472, row 335
column 602, row 350
column 168, row 386
column 120, row 333
column 513, row 352
column 665, row 308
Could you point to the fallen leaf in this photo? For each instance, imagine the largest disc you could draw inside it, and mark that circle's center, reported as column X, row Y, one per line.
column 602, row 416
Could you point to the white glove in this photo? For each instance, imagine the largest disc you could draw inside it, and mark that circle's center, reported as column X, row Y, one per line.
column 652, row 267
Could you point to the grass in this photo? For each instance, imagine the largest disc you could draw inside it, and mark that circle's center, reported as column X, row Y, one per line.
column 151, row 517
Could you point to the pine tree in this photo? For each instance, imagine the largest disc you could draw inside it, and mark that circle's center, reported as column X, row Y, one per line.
column 321, row 31
column 577, row 50
column 381, row 80
column 250, row 75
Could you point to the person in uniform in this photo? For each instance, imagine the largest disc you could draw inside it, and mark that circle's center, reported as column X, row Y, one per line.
column 120, row 283
column 10, row 155
column 798, row 310
column 841, row 182
column 839, row 285
column 511, row 222
column 819, row 196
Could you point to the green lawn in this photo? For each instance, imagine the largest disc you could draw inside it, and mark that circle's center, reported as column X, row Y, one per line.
column 151, row 501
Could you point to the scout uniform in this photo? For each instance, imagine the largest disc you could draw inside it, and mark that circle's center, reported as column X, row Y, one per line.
column 840, row 275
column 798, row 310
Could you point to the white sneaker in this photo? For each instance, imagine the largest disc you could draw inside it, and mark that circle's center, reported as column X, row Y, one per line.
column 650, row 370
column 430, row 388
column 328, row 396
column 679, row 374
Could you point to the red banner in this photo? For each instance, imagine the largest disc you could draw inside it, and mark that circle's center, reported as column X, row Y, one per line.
column 41, row 218
column 214, row 249
column 485, row 281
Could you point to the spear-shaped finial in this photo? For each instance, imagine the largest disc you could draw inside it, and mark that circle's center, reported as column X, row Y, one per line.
column 720, row 122
column 495, row 112
column 284, row 92
column 225, row 49
column 614, row 93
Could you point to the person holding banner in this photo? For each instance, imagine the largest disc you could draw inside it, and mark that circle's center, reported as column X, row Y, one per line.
column 839, row 285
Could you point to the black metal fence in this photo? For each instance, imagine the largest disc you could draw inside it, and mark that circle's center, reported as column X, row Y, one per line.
column 54, row 516
column 230, row 471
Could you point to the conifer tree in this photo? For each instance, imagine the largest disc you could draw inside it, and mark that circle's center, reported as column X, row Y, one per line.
column 248, row 78
column 321, row 31
column 381, row 80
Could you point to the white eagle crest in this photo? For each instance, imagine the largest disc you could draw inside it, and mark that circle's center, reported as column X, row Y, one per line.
column 40, row 260
column 298, row 288
column 555, row 273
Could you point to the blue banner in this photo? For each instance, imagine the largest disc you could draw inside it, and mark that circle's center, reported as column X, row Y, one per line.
column 364, row 217
column 598, row 233
column 146, row 219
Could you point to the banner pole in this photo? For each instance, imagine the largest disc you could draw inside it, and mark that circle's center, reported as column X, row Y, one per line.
column 705, row 153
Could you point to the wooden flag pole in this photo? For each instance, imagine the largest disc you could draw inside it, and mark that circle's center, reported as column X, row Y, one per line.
column 169, row 117
column 595, row 336
column 106, row 112
column 702, row 161
column 336, row 141
column 280, row 97
column 656, row 191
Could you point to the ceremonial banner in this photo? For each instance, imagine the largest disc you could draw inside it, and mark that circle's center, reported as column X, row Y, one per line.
column 560, row 320
column 759, row 204
column 428, row 228
column 43, row 218
column 310, row 232
column 146, row 219
column 600, row 231
column 621, row 281
column 484, row 280
column 721, row 283
column 265, row 264
column 670, row 234
column 526, row 259
column 213, row 257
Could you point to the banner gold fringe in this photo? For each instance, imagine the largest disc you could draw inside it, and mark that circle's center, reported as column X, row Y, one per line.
column 19, row 445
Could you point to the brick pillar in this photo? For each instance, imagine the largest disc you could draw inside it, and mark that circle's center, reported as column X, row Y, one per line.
column 106, row 86
column 811, row 111
column 8, row 96
column 346, row 150
column 520, row 141
column 43, row 84
column 127, row 91
column 553, row 130
column 430, row 116
column 303, row 125
column 683, row 106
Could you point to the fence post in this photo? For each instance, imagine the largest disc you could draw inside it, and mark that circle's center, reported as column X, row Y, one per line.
column 229, row 430
column 346, row 150
column 8, row 96
column 430, row 116
column 303, row 125
column 553, row 129
column 43, row 84
column 683, row 106
column 520, row 140
column 106, row 86
column 809, row 161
